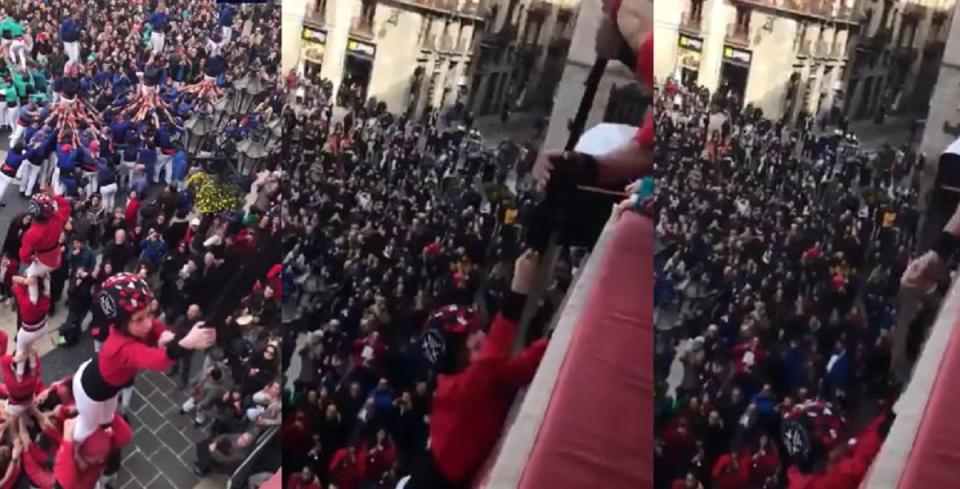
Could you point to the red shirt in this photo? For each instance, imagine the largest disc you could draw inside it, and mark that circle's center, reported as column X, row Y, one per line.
column 849, row 472
column 42, row 240
column 21, row 391
column 65, row 468
column 343, row 474
column 470, row 407
column 724, row 476
column 133, row 209
column 294, row 482
column 30, row 313
column 123, row 356
column 275, row 278
column 379, row 462
column 35, row 460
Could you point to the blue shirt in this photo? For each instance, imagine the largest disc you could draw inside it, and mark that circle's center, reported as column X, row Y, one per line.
column 226, row 16
column 148, row 156
column 69, row 30
column 66, row 160
column 159, row 21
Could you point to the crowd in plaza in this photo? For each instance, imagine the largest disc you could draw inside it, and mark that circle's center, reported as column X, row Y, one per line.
column 781, row 250
column 142, row 143
column 393, row 226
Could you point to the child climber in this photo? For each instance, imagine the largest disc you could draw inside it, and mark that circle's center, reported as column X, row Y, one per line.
column 40, row 248
column 137, row 341
column 33, row 321
column 472, row 366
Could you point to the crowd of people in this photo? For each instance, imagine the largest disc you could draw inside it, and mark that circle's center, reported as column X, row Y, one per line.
column 142, row 143
column 387, row 220
column 781, row 249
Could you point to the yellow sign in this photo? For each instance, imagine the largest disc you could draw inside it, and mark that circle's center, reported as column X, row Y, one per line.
column 313, row 51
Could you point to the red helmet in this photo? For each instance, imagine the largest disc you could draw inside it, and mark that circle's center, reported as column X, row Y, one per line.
column 122, row 296
column 445, row 334
column 42, row 207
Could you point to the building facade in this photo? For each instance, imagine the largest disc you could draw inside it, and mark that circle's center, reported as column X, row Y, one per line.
column 897, row 55
column 520, row 55
column 409, row 54
column 783, row 56
column 415, row 55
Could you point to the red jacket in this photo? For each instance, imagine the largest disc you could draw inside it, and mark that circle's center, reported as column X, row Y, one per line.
column 35, row 460
column 294, row 482
column 849, row 471
column 65, row 468
column 346, row 475
column 644, row 135
column 132, row 213
column 33, row 316
column 275, row 278
column 20, row 391
column 724, row 476
column 470, row 407
column 123, row 356
column 42, row 240
column 379, row 462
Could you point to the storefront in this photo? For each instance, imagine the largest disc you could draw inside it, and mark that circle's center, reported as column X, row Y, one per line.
column 358, row 68
column 312, row 48
column 735, row 71
column 689, row 52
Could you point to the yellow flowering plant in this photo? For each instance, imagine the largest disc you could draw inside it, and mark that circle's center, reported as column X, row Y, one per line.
column 211, row 197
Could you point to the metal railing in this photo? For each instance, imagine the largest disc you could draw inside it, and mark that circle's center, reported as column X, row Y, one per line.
column 690, row 22
column 738, row 34
column 238, row 479
column 361, row 27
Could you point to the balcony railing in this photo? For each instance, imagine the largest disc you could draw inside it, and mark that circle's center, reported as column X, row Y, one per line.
column 822, row 49
column 913, row 11
column 803, row 49
column 362, row 28
column 691, row 23
column 463, row 7
column 839, row 50
column 428, row 43
column 316, row 12
column 819, row 8
column 538, row 9
column 878, row 40
column 446, row 44
column 738, row 34
column 559, row 45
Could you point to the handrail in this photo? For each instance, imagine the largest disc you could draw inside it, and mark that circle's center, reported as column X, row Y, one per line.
column 238, row 479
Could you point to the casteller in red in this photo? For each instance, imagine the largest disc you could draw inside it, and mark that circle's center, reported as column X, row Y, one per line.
column 849, row 471
column 20, row 391
column 296, row 482
column 65, row 468
column 32, row 316
column 42, row 239
column 725, row 476
column 470, row 407
column 344, row 473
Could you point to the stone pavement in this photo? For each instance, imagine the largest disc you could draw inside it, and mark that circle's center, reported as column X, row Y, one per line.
column 162, row 450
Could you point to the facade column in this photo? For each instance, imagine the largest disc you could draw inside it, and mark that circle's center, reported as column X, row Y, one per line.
column 714, row 35
column 341, row 16
column 292, row 24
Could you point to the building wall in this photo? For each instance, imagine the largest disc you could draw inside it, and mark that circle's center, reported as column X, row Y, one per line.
column 579, row 60
column 943, row 120
column 775, row 54
column 397, row 32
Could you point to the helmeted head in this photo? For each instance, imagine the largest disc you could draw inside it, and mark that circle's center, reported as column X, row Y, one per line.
column 42, row 207
column 124, row 302
column 444, row 341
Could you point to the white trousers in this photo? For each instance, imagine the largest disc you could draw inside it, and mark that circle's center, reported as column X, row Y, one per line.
column 227, row 33
column 90, row 414
column 39, row 270
column 165, row 165
column 12, row 114
column 156, row 39
column 28, row 179
column 26, row 339
column 91, row 187
column 17, row 134
column 73, row 51
column 109, row 195
column 4, row 183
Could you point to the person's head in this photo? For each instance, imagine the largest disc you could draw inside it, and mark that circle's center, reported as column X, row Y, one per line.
column 452, row 338
column 209, row 259
column 97, row 447
column 193, row 312
column 120, row 236
column 245, row 440
column 270, row 352
column 274, row 389
column 125, row 301
column 77, row 244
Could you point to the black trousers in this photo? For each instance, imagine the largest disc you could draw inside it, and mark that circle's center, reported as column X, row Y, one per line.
column 426, row 475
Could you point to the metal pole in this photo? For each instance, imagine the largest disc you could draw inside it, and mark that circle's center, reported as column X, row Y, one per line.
column 550, row 254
